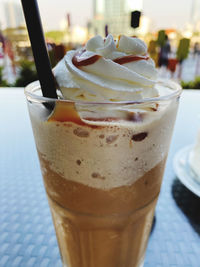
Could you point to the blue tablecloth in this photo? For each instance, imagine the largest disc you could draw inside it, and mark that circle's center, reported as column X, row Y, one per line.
column 27, row 236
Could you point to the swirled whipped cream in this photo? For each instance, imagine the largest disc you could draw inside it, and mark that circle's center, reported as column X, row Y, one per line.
column 107, row 70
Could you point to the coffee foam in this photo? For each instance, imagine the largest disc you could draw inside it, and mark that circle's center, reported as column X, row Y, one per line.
column 108, row 156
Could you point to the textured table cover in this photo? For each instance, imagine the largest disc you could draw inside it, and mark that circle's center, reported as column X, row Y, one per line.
column 27, row 236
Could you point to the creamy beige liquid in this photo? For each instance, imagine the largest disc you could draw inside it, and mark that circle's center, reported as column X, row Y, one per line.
column 98, row 228
column 102, row 182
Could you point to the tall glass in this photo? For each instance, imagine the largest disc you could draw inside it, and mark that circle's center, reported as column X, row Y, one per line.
column 102, row 165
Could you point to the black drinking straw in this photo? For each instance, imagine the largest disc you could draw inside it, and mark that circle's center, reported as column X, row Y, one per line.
column 36, row 35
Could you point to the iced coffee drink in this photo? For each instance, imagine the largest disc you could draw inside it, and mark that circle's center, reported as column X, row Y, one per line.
column 102, row 148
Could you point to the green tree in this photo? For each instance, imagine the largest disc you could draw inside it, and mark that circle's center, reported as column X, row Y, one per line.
column 191, row 84
column 161, row 38
column 183, row 49
column 27, row 73
column 3, row 83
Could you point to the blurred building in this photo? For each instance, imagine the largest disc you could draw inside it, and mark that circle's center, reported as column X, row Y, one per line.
column 15, row 30
column 195, row 15
column 116, row 14
column 13, row 14
column 18, row 36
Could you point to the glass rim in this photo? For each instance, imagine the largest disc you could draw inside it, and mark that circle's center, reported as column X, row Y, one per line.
column 36, row 86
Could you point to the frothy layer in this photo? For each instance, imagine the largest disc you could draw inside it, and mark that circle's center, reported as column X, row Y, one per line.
column 110, row 155
column 106, row 70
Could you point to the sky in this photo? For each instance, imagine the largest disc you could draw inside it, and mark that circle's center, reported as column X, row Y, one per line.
column 164, row 14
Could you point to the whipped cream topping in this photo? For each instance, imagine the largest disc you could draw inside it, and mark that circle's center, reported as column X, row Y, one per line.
column 108, row 70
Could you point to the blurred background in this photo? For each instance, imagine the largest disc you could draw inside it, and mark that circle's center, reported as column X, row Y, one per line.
column 170, row 28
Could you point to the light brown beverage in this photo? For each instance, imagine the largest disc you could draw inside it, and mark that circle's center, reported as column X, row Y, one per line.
column 103, row 176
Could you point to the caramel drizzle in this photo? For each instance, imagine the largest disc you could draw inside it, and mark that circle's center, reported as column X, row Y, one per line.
column 84, row 62
column 91, row 60
column 128, row 59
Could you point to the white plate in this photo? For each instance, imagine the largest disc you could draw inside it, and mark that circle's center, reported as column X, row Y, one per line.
column 184, row 172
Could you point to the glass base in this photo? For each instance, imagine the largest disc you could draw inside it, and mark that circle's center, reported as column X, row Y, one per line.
column 141, row 264
column 96, row 241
